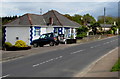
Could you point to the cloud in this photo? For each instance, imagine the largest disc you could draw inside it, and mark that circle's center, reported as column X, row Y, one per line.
column 60, row 1
column 93, row 8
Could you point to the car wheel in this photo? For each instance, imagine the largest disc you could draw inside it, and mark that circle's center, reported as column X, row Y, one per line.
column 56, row 44
column 35, row 45
column 41, row 45
column 51, row 43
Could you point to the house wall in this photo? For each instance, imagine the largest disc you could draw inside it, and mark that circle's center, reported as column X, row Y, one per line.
column 43, row 30
column 22, row 33
column 49, row 30
column 106, row 29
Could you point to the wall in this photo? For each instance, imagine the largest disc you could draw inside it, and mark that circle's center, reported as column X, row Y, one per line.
column 49, row 29
column 43, row 30
column 23, row 33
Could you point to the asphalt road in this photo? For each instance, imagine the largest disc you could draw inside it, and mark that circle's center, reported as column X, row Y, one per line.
column 59, row 63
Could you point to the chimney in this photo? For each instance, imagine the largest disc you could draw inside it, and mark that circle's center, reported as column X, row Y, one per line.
column 50, row 21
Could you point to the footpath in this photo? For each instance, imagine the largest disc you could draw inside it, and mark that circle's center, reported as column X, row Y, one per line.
column 102, row 67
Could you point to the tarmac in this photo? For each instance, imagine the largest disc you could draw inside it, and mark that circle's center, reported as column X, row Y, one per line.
column 100, row 68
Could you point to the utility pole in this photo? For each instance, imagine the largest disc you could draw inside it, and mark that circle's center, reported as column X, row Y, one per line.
column 104, row 17
column 40, row 11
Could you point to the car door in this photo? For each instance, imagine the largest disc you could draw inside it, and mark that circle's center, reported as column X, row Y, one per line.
column 43, row 39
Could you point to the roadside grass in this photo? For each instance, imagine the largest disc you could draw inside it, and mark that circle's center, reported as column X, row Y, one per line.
column 116, row 67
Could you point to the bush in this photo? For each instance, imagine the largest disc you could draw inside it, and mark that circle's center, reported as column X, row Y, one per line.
column 8, row 44
column 20, row 43
column 82, row 34
column 110, row 32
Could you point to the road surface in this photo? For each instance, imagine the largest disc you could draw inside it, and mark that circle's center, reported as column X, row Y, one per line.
column 59, row 63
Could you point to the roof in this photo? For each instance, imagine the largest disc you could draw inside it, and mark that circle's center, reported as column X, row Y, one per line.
column 59, row 19
column 34, row 19
column 27, row 19
column 106, row 25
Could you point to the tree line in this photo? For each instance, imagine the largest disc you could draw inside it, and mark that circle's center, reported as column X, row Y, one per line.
column 7, row 19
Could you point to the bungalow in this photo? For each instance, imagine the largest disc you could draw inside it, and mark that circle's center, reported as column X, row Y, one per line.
column 106, row 27
column 30, row 26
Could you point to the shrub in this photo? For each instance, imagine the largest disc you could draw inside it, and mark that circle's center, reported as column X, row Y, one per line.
column 82, row 34
column 110, row 32
column 8, row 44
column 20, row 43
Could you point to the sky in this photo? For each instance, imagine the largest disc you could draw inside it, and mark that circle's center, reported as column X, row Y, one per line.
column 93, row 7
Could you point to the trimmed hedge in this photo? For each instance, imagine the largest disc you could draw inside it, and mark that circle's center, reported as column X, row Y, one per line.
column 13, row 48
column 19, row 45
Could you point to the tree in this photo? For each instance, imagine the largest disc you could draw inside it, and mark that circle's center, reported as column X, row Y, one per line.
column 87, row 19
column 108, row 20
column 82, row 31
column 114, row 28
column 96, row 27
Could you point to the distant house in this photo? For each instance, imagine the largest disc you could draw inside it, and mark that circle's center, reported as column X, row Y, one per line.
column 30, row 26
column 106, row 27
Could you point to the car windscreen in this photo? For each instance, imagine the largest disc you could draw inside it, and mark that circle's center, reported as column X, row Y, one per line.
column 43, row 36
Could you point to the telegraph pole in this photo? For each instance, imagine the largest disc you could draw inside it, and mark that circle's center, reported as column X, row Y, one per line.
column 104, row 17
column 40, row 11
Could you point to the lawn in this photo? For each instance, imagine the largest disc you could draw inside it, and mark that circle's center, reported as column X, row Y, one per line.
column 116, row 67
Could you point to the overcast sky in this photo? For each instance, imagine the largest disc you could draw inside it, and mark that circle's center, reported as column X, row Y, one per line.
column 93, row 7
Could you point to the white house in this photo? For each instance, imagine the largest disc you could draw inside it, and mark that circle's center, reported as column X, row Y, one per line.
column 30, row 26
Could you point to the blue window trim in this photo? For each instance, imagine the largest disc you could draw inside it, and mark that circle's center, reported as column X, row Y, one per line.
column 31, row 34
column 59, row 30
column 37, row 31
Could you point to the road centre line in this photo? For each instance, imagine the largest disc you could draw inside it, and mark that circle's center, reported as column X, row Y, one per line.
column 35, row 65
column 77, row 51
column 5, row 76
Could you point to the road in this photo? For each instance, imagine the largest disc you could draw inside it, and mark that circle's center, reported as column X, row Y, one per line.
column 59, row 63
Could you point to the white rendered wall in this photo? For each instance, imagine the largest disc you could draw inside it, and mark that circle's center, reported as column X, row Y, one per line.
column 49, row 29
column 74, row 32
column 23, row 33
column 43, row 30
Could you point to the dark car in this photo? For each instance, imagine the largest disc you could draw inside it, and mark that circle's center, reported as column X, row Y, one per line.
column 48, row 38
column 62, row 38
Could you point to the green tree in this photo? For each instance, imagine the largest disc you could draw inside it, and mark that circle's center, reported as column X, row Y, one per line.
column 87, row 19
column 114, row 28
column 95, row 27
column 108, row 20
column 82, row 31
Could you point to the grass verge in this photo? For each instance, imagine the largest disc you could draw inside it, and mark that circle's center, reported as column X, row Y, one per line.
column 116, row 67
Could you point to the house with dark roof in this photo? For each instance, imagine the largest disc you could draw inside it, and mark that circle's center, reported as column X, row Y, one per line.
column 30, row 26
column 106, row 27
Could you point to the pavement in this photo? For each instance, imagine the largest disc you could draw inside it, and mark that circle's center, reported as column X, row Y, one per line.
column 64, row 62
column 102, row 66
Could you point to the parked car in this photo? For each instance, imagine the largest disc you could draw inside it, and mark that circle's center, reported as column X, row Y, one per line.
column 48, row 38
column 62, row 39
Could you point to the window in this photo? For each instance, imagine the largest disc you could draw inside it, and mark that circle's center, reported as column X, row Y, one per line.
column 43, row 36
column 37, row 31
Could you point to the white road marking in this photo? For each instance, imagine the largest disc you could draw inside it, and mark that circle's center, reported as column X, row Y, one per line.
column 91, row 47
column 5, row 76
column 87, row 69
column 77, row 52
column 35, row 65
column 47, row 61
